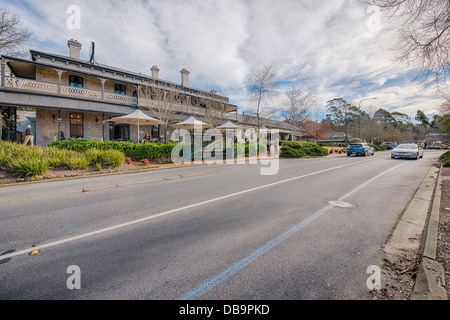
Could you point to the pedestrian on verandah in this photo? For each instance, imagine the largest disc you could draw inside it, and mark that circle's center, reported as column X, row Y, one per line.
column 29, row 136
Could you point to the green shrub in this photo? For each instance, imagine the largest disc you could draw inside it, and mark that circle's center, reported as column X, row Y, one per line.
column 293, row 149
column 377, row 147
column 288, row 152
column 77, row 161
column 57, row 158
column 112, row 158
column 446, row 163
column 29, row 167
column 93, row 156
column 445, row 156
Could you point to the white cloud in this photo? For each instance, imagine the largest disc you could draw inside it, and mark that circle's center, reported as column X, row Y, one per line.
column 328, row 47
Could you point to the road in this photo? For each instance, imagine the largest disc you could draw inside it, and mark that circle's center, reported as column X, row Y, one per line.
column 206, row 232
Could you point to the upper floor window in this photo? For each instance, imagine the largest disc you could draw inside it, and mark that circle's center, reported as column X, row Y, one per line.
column 76, row 81
column 120, row 89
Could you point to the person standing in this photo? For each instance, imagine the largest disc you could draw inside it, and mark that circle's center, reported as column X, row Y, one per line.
column 29, row 136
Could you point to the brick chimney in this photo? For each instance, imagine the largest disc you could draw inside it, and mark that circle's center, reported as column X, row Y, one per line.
column 184, row 77
column 155, row 72
column 74, row 48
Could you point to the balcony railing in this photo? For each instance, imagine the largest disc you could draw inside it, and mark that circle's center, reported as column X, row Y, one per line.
column 70, row 91
column 30, row 85
column 51, row 88
column 81, row 93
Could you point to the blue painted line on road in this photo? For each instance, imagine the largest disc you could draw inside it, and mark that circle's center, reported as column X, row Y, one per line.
column 208, row 286
column 255, row 255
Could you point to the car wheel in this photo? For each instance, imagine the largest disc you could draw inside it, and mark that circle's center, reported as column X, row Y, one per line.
column 392, row 157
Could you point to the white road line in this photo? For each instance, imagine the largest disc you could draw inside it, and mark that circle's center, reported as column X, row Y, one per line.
column 129, row 223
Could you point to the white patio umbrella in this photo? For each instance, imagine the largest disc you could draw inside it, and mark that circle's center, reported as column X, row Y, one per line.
column 229, row 125
column 190, row 124
column 136, row 117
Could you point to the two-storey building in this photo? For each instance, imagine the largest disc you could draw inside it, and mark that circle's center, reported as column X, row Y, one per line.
column 74, row 97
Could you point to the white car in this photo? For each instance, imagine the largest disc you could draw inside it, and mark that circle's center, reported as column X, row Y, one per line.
column 407, row 150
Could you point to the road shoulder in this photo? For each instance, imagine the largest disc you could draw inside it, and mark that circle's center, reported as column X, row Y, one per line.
column 410, row 269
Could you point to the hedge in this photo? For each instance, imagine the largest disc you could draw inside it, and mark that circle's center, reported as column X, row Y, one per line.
column 138, row 151
column 292, row 149
column 377, row 147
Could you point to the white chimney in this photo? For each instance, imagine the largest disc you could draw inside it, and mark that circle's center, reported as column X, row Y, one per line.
column 155, row 72
column 74, row 48
column 184, row 78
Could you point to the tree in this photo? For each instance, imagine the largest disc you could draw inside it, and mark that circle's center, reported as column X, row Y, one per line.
column 163, row 106
column 424, row 34
column 12, row 34
column 297, row 108
column 215, row 111
column 317, row 130
column 261, row 88
column 422, row 118
column 444, row 123
column 343, row 114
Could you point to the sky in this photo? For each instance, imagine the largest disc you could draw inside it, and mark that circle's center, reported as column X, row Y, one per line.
column 331, row 48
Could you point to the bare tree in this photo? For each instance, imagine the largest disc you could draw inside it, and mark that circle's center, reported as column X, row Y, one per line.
column 425, row 35
column 297, row 108
column 215, row 111
column 163, row 106
column 445, row 107
column 12, row 34
column 261, row 88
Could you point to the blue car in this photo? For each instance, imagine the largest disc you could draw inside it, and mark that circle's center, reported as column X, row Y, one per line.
column 360, row 149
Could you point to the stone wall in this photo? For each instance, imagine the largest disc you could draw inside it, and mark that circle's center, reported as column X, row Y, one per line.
column 47, row 126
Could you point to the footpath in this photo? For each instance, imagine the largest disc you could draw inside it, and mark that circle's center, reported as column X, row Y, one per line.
column 414, row 263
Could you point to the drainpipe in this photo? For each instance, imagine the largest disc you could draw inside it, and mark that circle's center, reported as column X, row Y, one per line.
column 3, row 67
column 59, row 125
column 137, row 96
column 8, row 124
column 103, row 127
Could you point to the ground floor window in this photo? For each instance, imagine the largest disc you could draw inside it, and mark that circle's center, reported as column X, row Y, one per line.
column 119, row 132
column 76, row 125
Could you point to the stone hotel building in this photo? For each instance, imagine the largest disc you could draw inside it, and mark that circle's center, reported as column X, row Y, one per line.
column 75, row 97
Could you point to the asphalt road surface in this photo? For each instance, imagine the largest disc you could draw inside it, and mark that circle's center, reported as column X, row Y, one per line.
column 207, row 232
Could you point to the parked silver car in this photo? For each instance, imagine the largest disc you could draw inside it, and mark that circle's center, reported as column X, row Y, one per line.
column 407, row 150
